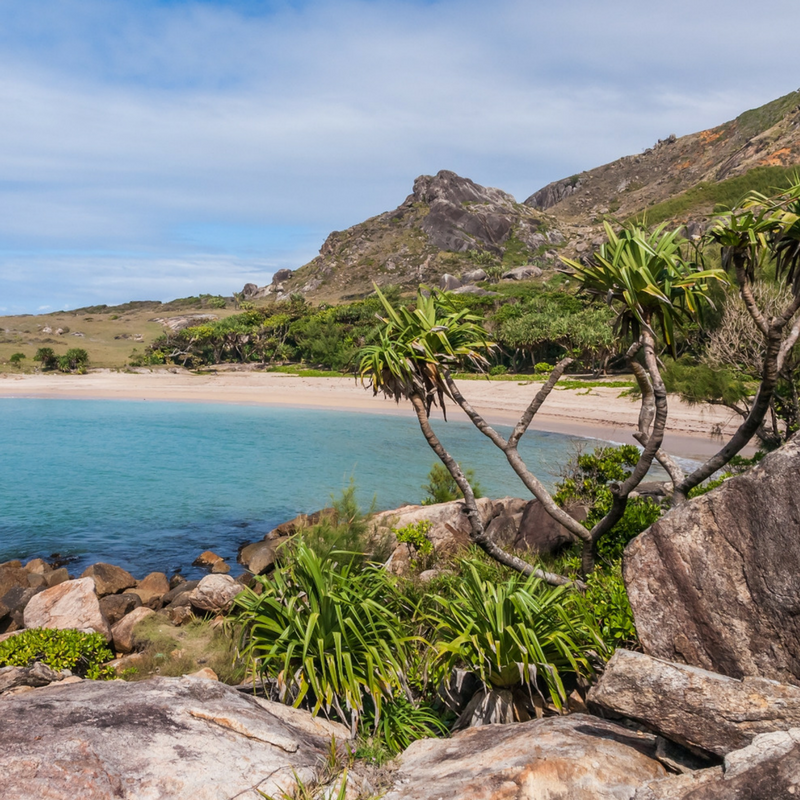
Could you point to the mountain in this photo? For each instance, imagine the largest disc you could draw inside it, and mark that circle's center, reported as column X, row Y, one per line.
column 449, row 224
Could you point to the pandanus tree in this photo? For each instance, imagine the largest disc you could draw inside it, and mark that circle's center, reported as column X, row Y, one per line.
column 758, row 238
column 644, row 275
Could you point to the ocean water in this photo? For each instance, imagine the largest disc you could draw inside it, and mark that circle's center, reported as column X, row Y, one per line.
column 150, row 485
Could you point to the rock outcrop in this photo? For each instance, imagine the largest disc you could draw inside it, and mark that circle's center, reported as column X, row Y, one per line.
column 558, row 757
column 692, row 706
column 716, row 582
column 449, row 526
column 183, row 739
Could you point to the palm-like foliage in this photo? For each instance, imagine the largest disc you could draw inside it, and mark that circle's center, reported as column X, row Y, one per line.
column 416, row 344
column 783, row 215
column 646, row 273
column 325, row 633
column 519, row 631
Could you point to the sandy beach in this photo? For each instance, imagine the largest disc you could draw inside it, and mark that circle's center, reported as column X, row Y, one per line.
column 599, row 412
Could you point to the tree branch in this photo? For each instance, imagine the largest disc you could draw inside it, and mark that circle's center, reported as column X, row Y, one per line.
column 478, row 532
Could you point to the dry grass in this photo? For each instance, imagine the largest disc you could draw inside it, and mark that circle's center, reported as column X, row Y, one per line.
column 109, row 335
column 172, row 651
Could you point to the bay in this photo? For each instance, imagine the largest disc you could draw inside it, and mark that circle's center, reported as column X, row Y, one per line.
column 149, row 485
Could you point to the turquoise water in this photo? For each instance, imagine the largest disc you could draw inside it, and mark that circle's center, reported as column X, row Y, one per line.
column 151, row 485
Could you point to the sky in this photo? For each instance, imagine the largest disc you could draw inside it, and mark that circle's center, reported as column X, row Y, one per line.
column 153, row 150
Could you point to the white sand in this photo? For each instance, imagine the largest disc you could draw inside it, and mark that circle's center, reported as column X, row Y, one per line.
column 600, row 413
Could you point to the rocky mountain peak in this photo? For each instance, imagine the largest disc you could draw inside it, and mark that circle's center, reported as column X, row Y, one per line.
column 447, row 187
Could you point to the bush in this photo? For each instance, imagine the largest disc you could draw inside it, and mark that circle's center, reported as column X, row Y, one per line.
column 17, row 359
column 47, row 357
column 498, row 369
column 326, row 634
column 415, row 536
column 587, row 482
column 82, row 653
column 343, row 533
column 519, row 631
column 606, row 602
column 441, row 488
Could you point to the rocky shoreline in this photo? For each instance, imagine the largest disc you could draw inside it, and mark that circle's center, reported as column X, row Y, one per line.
column 709, row 711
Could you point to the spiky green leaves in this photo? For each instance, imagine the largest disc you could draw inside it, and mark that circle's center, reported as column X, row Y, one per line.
column 645, row 275
column 519, row 631
column 417, row 342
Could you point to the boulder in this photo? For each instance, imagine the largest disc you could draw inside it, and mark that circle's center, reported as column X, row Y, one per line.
column 215, row 593
column 281, row 275
column 249, row 290
column 522, row 273
column 449, row 282
column 450, row 530
column 10, row 577
column 56, row 576
column 37, row 674
column 692, row 706
column 577, row 756
column 221, row 568
column 475, row 290
column 473, row 276
column 177, row 738
column 539, row 533
column 115, row 606
column 177, row 593
column 716, row 581
column 151, row 589
column 122, row 632
column 678, row 787
column 36, row 580
column 207, row 559
column 767, row 769
column 12, row 607
column 258, row 557
column 109, row 579
column 38, row 565
column 72, row 604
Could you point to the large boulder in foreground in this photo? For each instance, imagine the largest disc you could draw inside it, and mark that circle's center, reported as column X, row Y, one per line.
column 767, row 769
column 177, row 738
column 557, row 757
column 692, row 706
column 716, row 582
column 72, row 604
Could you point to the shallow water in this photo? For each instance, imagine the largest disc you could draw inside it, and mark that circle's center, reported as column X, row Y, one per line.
column 150, row 485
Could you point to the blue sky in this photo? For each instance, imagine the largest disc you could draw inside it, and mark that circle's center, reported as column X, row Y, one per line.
column 151, row 150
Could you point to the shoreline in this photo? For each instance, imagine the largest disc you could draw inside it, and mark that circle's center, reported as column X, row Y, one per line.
column 597, row 413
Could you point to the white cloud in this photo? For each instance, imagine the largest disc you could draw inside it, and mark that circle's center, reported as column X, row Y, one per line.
column 126, row 123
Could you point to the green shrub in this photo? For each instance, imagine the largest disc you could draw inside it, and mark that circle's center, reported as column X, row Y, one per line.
column 17, row 359
column 498, row 369
column 543, row 368
column 47, row 357
column 344, row 533
column 415, row 536
column 82, row 653
column 327, row 634
column 442, row 488
column 606, row 601
column 587, row 482
column 518, row 631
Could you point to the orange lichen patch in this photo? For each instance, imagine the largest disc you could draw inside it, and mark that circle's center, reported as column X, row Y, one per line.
column 684, row 165
column 780, row 158
column 706, row 137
